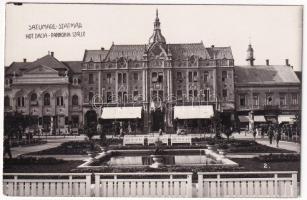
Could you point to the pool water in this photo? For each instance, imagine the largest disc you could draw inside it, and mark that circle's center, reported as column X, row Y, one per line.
column 167, row 160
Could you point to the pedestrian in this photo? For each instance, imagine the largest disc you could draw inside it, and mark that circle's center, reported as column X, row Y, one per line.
column 270, row 132
column 160, row 132
column 254, row 133
column 129, row 128
column 278, row 137
column 7, row 147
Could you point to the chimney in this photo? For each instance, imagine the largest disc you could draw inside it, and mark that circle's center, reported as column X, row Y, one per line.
column 212, row 46
column 102, row 48
column 267, row 61
column 287, row 62
column 24, row 60
column 52, row 54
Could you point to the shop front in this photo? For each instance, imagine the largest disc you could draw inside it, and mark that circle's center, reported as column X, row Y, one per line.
column 193, row 119
column 122, row 120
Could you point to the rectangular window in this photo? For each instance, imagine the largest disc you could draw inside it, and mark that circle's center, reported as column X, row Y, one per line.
column 59, row 101
column 242, row 100
column 206, row 76
column 124, row 78
column 195, row 93
column 160, row 77
column 90, row 78
column 109, row 78
column 224, row 75
column 195, row 76
column 224, row 93
column 269, row 99
column 154, row 77
column 135, row 76
column 206, row 95
column 190, row 77
column 179, row 94
column 282, row 99
column 294, row 99
column 119, row 78
column 255, row 100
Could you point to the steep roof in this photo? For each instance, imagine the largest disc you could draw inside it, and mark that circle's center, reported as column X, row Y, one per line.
column 75, row 66
column 95, row 55
column 183, row 51
column 262, row 74
column 134, row 51
column 49, row 61
column 220, row 52
column 16, row 67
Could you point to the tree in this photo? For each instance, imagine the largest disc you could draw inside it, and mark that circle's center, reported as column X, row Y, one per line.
column 90, row 131
column 228, row 130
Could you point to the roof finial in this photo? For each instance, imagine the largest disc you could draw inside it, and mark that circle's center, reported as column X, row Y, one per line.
column 157, row 13
column 250, row 40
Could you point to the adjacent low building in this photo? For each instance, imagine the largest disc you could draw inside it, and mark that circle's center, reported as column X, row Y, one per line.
column 266, row 93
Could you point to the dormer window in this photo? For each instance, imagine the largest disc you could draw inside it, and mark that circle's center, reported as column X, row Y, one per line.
column 193, row 60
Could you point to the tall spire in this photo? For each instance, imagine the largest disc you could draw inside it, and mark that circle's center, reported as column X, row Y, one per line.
column 157, row 35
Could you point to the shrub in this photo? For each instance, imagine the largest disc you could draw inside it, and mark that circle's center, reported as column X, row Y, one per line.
column 32, row 161
column 278, row 158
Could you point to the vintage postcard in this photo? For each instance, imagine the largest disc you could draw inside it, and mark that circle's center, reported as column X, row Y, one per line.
column 152, row 100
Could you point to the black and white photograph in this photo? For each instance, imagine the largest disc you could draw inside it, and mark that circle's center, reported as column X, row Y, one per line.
column 152, row 100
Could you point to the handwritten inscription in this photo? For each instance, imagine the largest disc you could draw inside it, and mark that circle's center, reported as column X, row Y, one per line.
column 61, row 30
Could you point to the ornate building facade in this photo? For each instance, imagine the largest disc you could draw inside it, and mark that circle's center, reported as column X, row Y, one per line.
column 48, row 90
column 151, row 86
column 159, row 77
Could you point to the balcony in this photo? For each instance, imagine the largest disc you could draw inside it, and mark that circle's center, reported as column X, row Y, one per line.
column 76, row 108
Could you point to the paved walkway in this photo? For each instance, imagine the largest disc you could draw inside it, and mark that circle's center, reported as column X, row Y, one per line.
column 291, row 146
column 51, row 143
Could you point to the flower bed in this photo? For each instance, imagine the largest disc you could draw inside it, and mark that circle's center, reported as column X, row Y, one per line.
column 70, row 148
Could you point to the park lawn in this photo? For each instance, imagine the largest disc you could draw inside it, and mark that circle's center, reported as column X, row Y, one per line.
column 64, row 167
column 251, row 164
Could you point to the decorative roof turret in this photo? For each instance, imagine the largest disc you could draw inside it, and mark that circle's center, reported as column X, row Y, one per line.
column 250, row 55
column 157, row 36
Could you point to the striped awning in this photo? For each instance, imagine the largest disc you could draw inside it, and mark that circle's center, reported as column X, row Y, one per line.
column 259, row 118
column 193, row 112
column 121, row 112
column 243, row 118
column 286, row 118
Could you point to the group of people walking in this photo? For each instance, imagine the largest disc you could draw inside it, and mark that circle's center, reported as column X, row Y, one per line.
column 275, row 131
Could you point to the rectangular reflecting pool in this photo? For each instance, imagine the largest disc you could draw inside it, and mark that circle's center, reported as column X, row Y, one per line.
column 144, row 158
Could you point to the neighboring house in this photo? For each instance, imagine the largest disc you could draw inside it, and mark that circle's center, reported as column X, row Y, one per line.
column 46, row 90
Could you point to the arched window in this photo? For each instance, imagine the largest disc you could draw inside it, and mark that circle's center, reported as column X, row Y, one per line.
column 33, row 97
column 6, row 101
column 47, row 99
column 20, row 101
column 75, row 100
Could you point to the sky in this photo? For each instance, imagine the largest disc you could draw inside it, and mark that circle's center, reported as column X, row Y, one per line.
column 275, row 32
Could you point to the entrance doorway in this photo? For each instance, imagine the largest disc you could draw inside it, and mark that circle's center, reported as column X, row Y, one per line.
column 157, row 119
column 90, row 118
